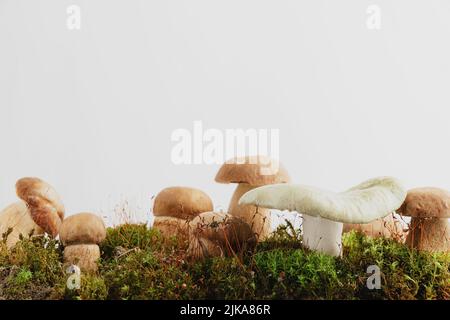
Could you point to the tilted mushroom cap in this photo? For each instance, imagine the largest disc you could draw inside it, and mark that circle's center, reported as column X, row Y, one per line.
column 46, row 208
column 253, row 170
column 218, row 233
column 364, row 203
column 426, row 203
column 181, row 202
column 82, row 228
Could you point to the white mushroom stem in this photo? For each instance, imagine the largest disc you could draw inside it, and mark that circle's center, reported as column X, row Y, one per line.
column 322, row 235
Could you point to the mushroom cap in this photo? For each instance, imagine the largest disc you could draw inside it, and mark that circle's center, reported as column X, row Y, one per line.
column 46, row 207
column 181, row 202
column 218, row 233
column 370, row 200
column 253, row 170
column 170, row 226
column 426, row 203
column 17, row 218
column 82, row 228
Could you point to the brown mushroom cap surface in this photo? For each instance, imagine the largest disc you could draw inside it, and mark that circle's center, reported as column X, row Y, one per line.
column 388, row 227
column 82, row 228
column 16, row 218
column 46, row 207
column 253, row 170
column 426, row 203
column 170, row 226
column 218, row 233
column 181, row 202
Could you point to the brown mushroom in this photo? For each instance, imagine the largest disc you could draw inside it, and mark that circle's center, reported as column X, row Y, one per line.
column 16, row 221
column 44, row 203
column 81, row 234
column 213, row 234
column 252, row 172
column 429, row 209
column 388, row 227
column 173, row 208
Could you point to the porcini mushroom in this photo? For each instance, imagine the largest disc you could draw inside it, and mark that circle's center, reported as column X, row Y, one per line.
column 173, row 208
column 213, row 234
column 429, row 209
column 44, row 203
column 41, row 210
column 388, row 227
column 324, row 212
column 251, row 172
column 81, row 234
column 15, row 220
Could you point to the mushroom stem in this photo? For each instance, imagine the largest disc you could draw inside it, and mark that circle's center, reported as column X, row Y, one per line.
column 85, row 256
column 322, row 235
column 429, row 234
column 257, row 217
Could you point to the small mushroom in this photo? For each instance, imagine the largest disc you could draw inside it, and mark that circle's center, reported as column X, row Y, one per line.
column 325, row 212
column 173, row 208
column 81, row 234
column 251, row 172
column 429, row 209
column 213, row 234
column 15, row 220
column 44, row 203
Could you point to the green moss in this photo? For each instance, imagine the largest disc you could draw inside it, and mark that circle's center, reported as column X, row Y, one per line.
column 138, row 264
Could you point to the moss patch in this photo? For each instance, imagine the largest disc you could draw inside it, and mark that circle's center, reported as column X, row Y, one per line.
column 137, row 263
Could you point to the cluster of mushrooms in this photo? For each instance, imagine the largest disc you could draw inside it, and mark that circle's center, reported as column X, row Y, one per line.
column 262, row 184
column 368, row 208
column 40, row 211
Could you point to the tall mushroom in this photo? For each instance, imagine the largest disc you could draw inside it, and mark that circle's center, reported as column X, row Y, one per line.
column 324, row 212
column 81, row 234
column 174, row 207
column 251, row 172
column 41, row 210
column 213, row 234
column 429, row 209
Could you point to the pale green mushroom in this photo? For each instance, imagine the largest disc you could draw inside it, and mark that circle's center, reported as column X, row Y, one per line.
column 324, row 212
